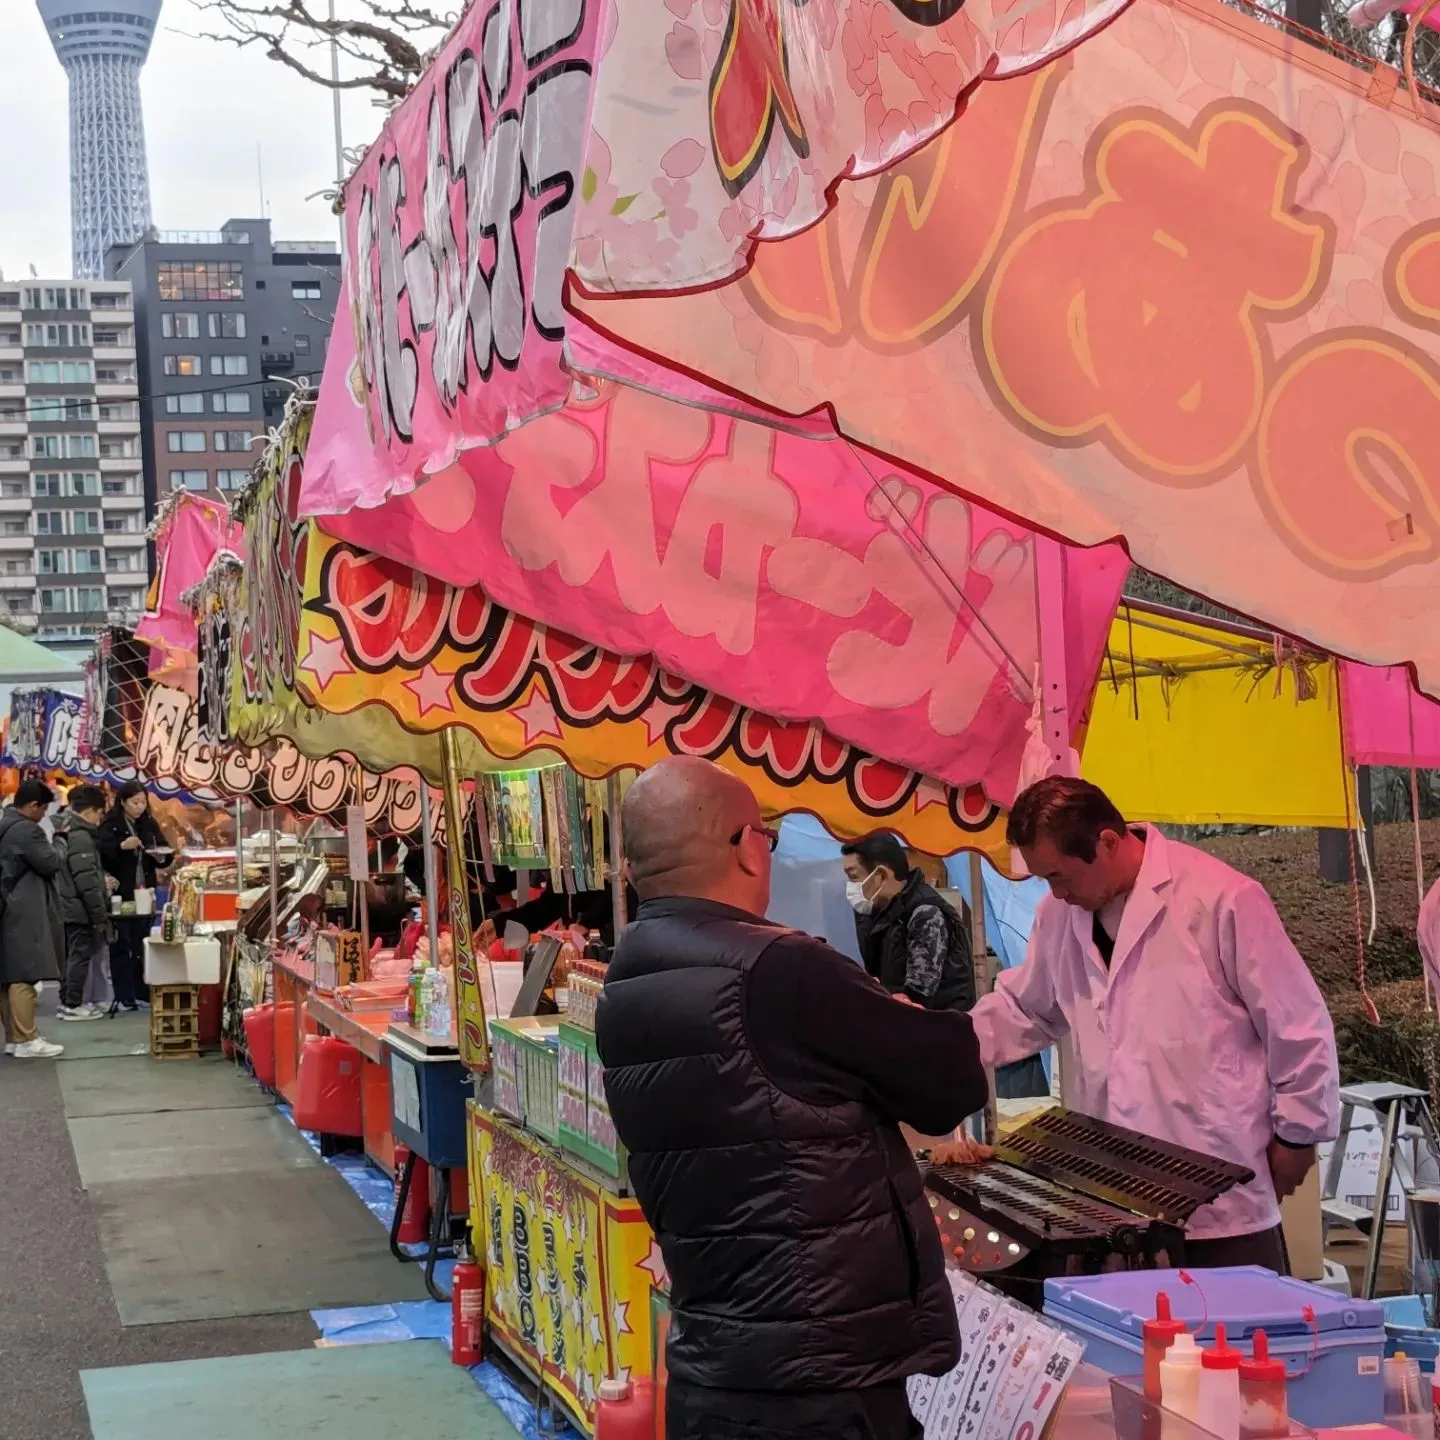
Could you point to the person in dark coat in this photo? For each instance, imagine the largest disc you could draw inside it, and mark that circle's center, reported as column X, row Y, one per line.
column 133, row 849
column 32, row 931
column 759, row 1079
column 911, row 938
column 84, row 896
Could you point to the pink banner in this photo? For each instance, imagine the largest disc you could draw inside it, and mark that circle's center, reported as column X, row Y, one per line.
column 786, row 573
column 196, row 530
column 1387, row 721
column 719, row 122
column 458, row 225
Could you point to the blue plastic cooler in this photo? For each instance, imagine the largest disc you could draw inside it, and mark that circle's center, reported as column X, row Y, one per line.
column 1335, row 1381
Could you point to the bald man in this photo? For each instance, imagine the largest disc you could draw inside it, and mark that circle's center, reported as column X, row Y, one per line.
column 759, row 1079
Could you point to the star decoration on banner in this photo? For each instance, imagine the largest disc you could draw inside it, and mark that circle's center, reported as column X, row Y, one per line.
column 325, row 659
column 927, row 793
column 433, row 690
column 657, row 715
column 537, row 715
column 654, row 1264
column 568, row 1227
column 620, row 1315
column 597, row 1336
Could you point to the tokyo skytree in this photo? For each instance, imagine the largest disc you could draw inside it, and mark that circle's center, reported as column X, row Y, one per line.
column 102, row 50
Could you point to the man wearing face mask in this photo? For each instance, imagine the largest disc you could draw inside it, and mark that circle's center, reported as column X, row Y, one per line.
column 911, row 939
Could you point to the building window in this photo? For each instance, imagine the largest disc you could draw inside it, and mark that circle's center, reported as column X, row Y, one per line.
column 53, row 562
column 54, row 602
column 85, row 522
column 76, row 372
column 120, row 410
column 84, row 482
column 191, row 441
column 189, row 479
column 45, row 447
column 20, row 604
column 182, row 365
column 47, row 483
column 114, row 375
column 90, row 598
column 18, row 567
column 185, row 404
column 119, row 525
column 49, row 522
column 48, row 411
column 180, row 324
column 73, row 335
column 16, row 527
column 305, row 289
column 43, row 372
column 237, row 440
column 227, row 326
column 117, row 485
column 79, row 447
column 231, row 402
column 302, row 344
column 229, row 365
column 231, row 479
column 207, row 280
column 12, row 489
column 88, row 562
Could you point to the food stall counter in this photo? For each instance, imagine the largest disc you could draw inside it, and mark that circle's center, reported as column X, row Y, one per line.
column 364, row 1028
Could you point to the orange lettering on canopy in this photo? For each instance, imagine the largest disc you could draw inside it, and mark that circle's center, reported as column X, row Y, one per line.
column 1412, row 275
column 1134, row 312
column 931, row 232
column 1347, row 454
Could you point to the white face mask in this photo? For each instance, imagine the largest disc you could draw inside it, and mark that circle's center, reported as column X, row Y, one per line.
column 855, row 894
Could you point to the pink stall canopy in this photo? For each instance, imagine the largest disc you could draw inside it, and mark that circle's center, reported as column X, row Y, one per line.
column 714, row 121
column 783, row 571
column 1181, row 286
column 191, row 533
column 1387, row 722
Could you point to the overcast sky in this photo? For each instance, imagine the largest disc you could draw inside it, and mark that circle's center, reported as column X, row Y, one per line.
column 207, row 107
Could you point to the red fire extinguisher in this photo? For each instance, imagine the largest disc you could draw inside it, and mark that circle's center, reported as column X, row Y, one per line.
column 415, row 1221
column 467, row 1311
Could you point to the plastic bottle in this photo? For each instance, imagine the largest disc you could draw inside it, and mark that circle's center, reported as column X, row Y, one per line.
column 1180, row 1381
column 437, row 1011
column 412, row 1004
column 626, row 1410
column 1158, row 1334
column 1264, row 1413
column 1220, row 1389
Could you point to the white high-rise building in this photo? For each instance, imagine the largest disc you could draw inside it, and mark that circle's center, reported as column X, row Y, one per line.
column 72, row 503
column 103, row 50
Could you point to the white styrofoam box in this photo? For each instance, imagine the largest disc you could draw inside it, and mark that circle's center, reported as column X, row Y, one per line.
column 185, row 962
column 1361, row 1172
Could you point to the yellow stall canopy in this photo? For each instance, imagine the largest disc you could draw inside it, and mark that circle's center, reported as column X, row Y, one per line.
column 1199, row 722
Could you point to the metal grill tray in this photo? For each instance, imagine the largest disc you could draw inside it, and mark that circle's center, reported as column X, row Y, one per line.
column 1121, row 1168
column 1038, row 1211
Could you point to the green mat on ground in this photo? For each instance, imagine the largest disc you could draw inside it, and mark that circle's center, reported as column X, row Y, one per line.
column 126, row 1034
column 125, row 1086
column 182, row 1143
column 264, row 1242
column 351, row 1391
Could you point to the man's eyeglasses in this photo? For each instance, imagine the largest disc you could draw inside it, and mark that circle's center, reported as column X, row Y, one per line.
column 773, row 836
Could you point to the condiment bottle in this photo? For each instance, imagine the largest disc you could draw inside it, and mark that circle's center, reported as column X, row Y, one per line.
column 1180, row 1379
column 1263, row 1410
column 1220, row 1389
column 1158, row 1334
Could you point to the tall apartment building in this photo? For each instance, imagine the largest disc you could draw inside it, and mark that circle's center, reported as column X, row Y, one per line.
column 224, row 321
column 73, row 550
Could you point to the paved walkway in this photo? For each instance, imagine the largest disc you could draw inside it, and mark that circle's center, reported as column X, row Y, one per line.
column 57, row 1316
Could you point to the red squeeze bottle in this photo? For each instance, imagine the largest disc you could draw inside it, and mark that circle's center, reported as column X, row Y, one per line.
column 1158, row 1334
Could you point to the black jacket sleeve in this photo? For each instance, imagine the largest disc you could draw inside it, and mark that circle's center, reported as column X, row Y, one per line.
column 825, row 1031
column 109, row 836
column 83, row 858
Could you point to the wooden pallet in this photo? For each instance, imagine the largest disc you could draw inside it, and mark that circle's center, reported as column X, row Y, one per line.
column 174, row 1022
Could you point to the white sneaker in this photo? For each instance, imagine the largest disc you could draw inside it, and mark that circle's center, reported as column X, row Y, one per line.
column 9, row 1048
column 95, row 1012
column 38, row 1049
column 79, row 1012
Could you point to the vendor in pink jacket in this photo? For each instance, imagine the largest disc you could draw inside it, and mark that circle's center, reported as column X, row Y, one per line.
column 1189, row 1013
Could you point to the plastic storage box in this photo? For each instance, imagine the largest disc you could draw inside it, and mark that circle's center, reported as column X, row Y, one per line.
column 1333, row 1364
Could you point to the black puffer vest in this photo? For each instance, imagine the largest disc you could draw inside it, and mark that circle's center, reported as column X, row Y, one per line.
column 884, row 939
column 802, row 1251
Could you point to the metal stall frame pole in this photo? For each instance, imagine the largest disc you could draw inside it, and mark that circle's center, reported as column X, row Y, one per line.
column 472, row 1033
column 361, row 887
column 274, row 886
column 617, row 855
column 427, row 833
column 989, row 1118
column 1054, row 696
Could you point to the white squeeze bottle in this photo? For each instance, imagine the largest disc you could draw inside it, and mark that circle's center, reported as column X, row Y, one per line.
column 1180, row 1380
column 1220, row 1388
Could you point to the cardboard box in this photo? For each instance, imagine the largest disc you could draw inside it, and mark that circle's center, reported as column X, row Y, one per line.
column 184, row 962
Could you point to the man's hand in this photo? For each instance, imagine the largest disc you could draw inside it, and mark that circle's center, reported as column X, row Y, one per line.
column 904, row 999
column 130, row 842
column 111, row 884
column 1289, row 1167
column 960, row 1152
